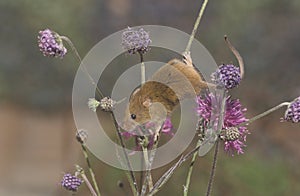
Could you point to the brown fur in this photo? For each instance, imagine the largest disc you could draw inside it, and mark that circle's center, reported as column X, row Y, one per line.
column 171, row 83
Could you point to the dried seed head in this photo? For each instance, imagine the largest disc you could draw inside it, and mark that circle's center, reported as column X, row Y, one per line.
column 201, row 126
column 107, row 104
column 230, row 134
column 81, row 136
column 234, row 115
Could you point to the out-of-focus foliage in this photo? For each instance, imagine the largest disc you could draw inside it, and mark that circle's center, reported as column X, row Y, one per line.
column 266, row 32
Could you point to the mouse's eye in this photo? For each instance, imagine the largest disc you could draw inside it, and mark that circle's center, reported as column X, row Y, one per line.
column 133, row 116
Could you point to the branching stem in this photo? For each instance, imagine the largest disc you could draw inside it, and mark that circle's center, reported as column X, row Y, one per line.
column 85, row 153
column 83, row 67
column 132, row 179
column 264, row 113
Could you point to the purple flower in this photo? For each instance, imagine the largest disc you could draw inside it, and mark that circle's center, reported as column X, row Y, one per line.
column 71, row 182
column 167, row 127
column 292, row 114
column 145, row 129
column 227, row 76
column 136, row 40
column 234, row 115
column 51, row 44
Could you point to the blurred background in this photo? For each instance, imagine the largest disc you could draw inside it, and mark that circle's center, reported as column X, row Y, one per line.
column 37, row 143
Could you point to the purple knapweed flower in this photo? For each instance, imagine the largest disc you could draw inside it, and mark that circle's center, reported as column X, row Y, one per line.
column 51, row 44
column 145, row 131
column 136, row 40
column 227, row 76
column 71, row 182
column 234, row 115
column 292, row 114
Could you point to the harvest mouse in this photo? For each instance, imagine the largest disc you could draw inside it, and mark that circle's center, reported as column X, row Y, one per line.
column 176, row 80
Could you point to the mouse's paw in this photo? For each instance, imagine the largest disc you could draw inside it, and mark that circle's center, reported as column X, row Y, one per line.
column 187, row 59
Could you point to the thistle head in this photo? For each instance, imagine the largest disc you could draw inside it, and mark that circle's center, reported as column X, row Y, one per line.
column 70, row 182
column 230, row 134
column 51, row 44
column 136, row 40
column 234, row 138
column 227, row 76
column 292, row 114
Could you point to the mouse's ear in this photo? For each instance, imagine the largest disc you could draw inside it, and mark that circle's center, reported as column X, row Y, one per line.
column 147, row 103
column 137, row 89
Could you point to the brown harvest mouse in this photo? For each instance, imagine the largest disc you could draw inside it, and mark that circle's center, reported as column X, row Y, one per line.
column 173, row 82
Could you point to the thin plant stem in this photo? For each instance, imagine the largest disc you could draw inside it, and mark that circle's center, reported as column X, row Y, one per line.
column 219, row 127
column 83, row 68
column 237, row 56
column 98, row 90
column 167, row 175
column 188, row 47
column 142, row 172
column 126, row 172
column 264, row 113
column 132, row 179
column 188, row 178
column 149, row 179
column 143, row 69
column 85, row 153
column 131, row 184
column 143, row 74
column 213, row 169
column 88, row 184
column 148, row 176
